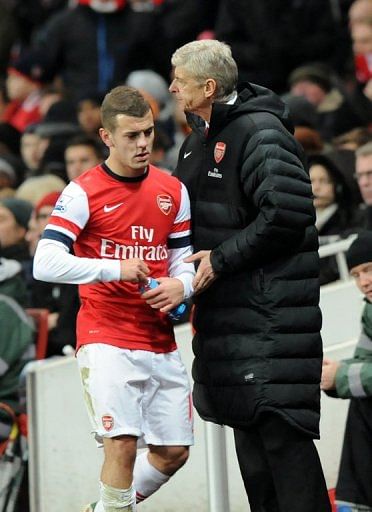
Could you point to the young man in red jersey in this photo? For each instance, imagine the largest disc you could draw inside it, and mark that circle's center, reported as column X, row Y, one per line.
column 127, row 221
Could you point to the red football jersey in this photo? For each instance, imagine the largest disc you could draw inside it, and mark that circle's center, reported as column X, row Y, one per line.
column 107, row 216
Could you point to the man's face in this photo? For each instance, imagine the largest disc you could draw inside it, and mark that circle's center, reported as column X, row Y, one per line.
column 361, row 34
column 18, row 87
column 363, row 174
column 89, row 116
column 30, row 150
column 78, row 159
column 312, row 92
column 322, row 186
column 130, row 143
column 363, row 278
column 11, row 233
column 189, row 92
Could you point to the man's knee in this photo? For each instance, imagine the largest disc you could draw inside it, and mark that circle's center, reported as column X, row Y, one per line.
column 121, row 449
column 168, row 459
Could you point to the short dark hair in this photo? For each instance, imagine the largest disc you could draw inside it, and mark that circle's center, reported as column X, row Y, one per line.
column 122, row 100
column 86, row 140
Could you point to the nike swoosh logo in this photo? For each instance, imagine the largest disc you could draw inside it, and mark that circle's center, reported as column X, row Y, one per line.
column 185, row 155
column 108, row 209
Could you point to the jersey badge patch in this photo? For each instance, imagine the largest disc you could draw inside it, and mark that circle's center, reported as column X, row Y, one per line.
column 62, row 202
column 219, row 151
column 165, row 203
column 107, row 422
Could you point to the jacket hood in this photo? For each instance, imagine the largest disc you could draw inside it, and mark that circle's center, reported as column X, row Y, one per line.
column 251, row 99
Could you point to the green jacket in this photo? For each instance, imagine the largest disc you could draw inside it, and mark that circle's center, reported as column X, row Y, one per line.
column 354, row 376
column 16, row 335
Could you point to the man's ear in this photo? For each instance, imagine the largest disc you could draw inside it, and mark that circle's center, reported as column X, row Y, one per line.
column 106, row 137
column 210, row 87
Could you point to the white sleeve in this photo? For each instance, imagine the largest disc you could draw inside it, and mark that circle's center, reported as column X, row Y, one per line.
column 53, row 263
column 180, row 246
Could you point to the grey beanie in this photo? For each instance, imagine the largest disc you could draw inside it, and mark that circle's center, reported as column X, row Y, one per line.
column 360, row 251
column 20, row 209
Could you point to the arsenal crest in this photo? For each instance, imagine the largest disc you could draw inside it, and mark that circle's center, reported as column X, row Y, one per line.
column 107, row 422
column 165, row 203
column 219, row 151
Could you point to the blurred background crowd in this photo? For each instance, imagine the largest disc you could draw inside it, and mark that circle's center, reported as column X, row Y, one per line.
column 58, row 58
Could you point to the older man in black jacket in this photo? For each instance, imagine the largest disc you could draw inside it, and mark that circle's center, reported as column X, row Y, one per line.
column 258, row 350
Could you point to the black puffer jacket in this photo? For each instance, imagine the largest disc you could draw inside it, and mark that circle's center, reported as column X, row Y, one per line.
column 257, row 346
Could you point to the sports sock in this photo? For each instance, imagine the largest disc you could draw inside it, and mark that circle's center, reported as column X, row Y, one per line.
column 146, row 478
column 116, row 500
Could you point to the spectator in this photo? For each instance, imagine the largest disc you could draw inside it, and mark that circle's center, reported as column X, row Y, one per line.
column 335, row 114
column 14, row 217
column 361, row 35
column 82, row 153
column 270, row 39
column 26, row 77
column 35, row 188
column 335, row 212
column 363, row 175
column 353, row 139
column 304, row 118
column 360, row 11
column 89, row 112
column 97, row 43
column 30, row 150
column 257, row 344
column 16, row 334
column 351, row 378
column 61, row 300
column 155, row 89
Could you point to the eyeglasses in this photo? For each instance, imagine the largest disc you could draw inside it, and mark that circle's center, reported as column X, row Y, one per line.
column 360, row 175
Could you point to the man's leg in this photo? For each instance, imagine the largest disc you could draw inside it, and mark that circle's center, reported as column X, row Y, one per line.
column 295, row 467
column 154, row 467
column 116, row 490
column 255, row 471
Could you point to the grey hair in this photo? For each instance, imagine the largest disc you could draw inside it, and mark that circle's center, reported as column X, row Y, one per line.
column 209, row 59
column 364, row 150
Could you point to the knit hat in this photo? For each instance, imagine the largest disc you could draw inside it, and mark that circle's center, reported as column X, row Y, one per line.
column 32, row 65
column 315, row 73
column 152, row 83
column 20, row 209
column 47, row 200
column 360, row 251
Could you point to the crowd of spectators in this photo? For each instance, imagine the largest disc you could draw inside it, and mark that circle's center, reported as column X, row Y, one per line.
column 58, row 58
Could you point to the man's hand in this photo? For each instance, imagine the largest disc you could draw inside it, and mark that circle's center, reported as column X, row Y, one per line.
column 133, row 270
column 205, row 274
column 328, row 380
column 166, row 296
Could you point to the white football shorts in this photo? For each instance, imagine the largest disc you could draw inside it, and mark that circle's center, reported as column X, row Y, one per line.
column 137, row 393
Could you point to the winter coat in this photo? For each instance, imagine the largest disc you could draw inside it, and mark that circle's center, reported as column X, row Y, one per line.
column 257, row 345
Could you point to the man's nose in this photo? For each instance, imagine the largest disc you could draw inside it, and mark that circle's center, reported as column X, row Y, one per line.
column 142, row 140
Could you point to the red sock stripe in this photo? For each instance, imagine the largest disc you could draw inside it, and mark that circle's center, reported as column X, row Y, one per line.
column 140, row 497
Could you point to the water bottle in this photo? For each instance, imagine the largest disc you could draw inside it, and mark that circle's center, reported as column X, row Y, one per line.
column 175, row 313
column 343, row 508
